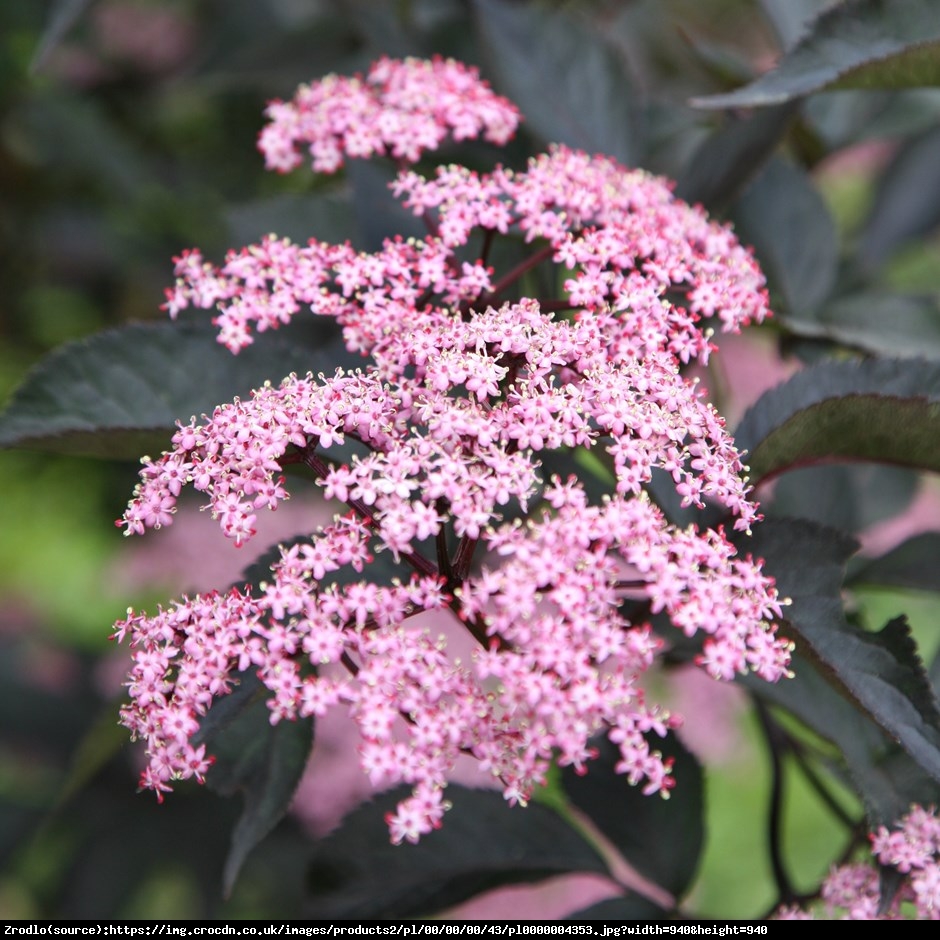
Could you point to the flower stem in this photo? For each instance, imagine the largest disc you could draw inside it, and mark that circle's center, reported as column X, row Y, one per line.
column 513, row 275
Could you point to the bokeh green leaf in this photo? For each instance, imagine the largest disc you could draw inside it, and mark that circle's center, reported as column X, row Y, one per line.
column 855, row 44
column 588, row 102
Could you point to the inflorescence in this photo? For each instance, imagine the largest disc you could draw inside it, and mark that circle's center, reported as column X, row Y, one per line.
column 468, row 395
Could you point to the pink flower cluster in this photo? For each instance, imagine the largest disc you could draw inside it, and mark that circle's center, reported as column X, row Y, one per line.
column 853, row 892
column 468, row 393
column 399, row 109
column 633, row 250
